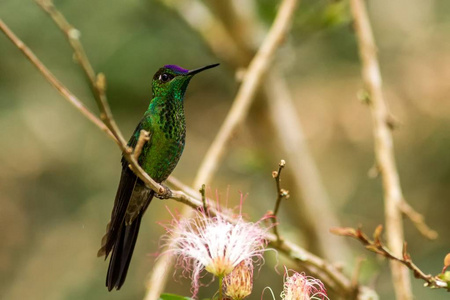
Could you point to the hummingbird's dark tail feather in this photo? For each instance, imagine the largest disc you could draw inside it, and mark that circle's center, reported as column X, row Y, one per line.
column 128, row 181
column 121, row 254
column 123, row 250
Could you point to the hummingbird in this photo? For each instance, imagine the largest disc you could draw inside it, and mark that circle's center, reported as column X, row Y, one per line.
column 165, row 122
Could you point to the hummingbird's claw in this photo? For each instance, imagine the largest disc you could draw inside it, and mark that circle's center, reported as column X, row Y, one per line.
column 166, row 195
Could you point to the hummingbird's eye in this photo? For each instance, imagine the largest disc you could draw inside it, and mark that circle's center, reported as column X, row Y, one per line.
column 164, row 77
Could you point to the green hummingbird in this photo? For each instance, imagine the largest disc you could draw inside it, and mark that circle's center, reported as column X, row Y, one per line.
column 165, row 121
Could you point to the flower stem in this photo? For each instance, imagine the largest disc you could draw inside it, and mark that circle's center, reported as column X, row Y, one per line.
column 220, row 286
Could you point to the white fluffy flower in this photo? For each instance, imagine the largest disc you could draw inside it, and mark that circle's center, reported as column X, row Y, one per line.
column 214, row 244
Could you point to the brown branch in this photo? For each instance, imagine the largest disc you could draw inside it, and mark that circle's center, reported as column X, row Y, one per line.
column 384, row 151
column 203, row 194
column 144, row 137
column 418, row 220
column 356, row 272
column 314, row 197
column 377, row 246
column 281, row 194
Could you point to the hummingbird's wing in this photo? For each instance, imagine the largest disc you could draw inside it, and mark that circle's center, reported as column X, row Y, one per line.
column 128, row 182
column 122, row 231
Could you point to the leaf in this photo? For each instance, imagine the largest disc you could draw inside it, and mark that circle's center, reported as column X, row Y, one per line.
column 173, row 297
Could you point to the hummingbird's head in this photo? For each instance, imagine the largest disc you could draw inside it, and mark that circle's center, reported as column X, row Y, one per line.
column 172, row 80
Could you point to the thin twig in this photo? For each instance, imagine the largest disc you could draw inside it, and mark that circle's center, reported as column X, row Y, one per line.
column 377, row 246
column 281, row 194
column 203, row 194
column 357, row 271
column 314, row 197
column 384, row 151
column 144, row 137
column 418, row 220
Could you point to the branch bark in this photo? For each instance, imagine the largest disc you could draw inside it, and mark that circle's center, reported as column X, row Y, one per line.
column 378, row 247
column 384, row 151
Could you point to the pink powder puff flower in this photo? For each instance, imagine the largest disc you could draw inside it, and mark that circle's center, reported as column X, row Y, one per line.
column 214, row 244
column 302, row 287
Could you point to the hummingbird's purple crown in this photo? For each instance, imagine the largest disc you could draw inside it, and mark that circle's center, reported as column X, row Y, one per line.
column 176, row 68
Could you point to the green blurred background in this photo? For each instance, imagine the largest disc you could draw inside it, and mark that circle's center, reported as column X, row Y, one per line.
column 59, row 173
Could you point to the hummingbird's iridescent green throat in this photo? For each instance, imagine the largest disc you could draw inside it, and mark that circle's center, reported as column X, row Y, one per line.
column 165, row 121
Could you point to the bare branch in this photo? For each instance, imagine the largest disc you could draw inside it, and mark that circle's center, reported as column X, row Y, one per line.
column 418, row 220
column 377, row 246
column 281, row 194
column 314, row 197
column 144, row 137
column 384, row 151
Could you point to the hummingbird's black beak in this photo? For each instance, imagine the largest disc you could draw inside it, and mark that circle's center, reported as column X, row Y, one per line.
column 193, row 72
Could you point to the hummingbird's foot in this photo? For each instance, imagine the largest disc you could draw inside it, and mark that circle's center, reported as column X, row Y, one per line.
column 166, row 195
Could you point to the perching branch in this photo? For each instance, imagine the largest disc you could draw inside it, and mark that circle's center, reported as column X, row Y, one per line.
column 377, row 246
column 393, row 196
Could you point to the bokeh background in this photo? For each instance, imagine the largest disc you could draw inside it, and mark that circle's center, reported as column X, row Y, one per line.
column 59, row 173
